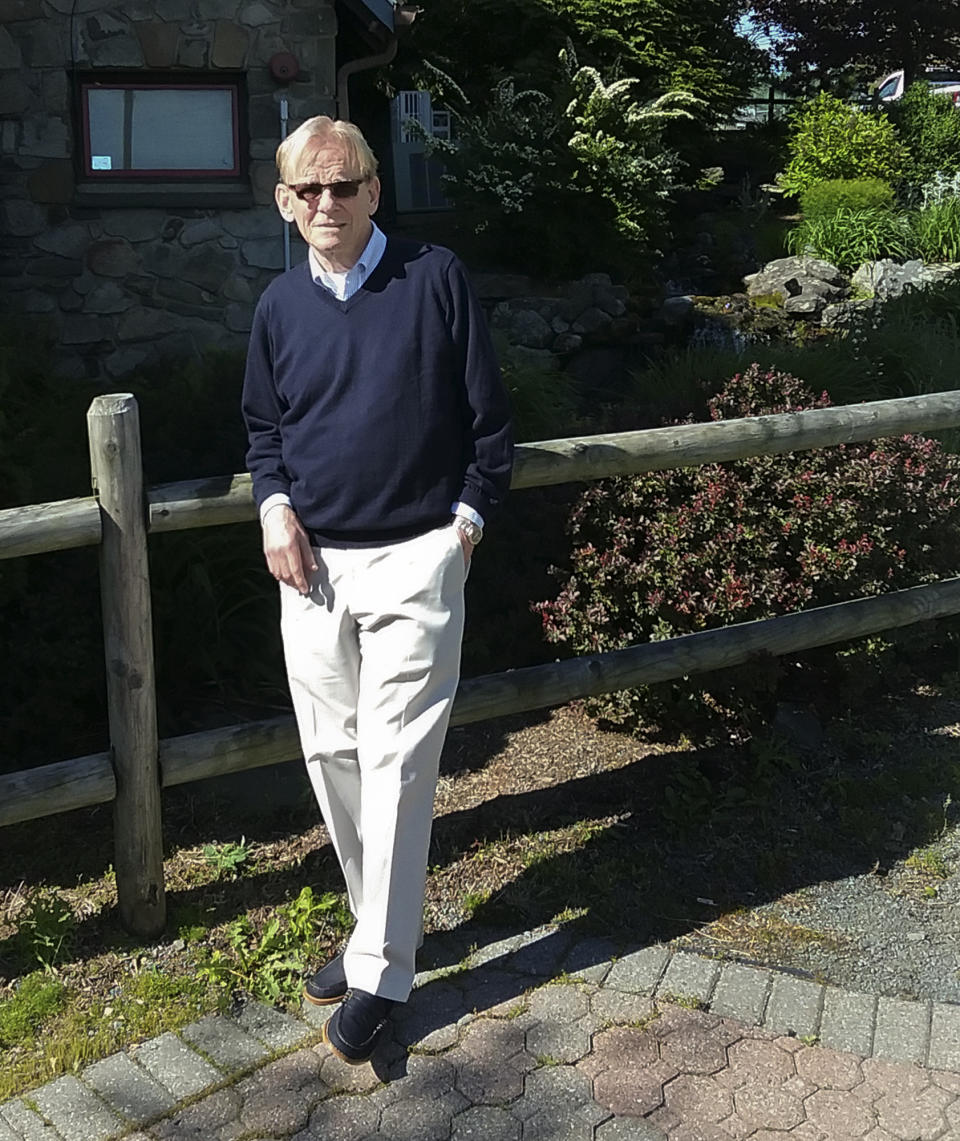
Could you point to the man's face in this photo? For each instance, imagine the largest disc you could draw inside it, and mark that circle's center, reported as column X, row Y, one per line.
column 336, row 228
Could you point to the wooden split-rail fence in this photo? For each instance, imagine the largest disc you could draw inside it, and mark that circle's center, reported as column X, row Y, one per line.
column 119, row 516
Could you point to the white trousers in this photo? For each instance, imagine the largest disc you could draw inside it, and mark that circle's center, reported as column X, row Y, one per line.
column 373, row 660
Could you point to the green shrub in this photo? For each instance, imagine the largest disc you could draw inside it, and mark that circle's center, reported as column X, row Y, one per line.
column 674, row 552
column 824, row 199
column 929, row 126
column 937, row 229
column 851, row 237
column 832, row 140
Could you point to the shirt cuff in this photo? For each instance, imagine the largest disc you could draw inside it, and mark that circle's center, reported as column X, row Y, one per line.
column 466, row 512
column 278, row 499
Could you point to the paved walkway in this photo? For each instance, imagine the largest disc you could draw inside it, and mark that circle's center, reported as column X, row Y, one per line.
column 540, row 1037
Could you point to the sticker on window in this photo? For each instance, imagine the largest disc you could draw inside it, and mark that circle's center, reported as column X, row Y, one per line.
column 101, row 162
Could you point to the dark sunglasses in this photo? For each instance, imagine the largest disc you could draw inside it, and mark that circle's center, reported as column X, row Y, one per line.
column 312, row 191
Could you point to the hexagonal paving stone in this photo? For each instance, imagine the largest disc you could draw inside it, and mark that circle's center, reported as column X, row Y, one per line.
column 628, row 1090
column 493, row 1080
column 673, row 1018
column 421, row 1119
column 828, row 1069
column 629, row 1129
column 611, row 1047
column 694, row 1049
column 558, row 1042
column 562, row 1124
column 551, row 1087
column 489, row 1039
column 485, row 1123
column 919, row 1117
column 341, row 1119
column 756, row 1063
column 901, row 1078
column 697, row 1099
column 699, row 1132
column 839, row 1112
column 341, row 1078
column 767, row 1107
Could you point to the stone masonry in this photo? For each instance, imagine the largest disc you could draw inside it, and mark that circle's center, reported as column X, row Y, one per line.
column 116, row 283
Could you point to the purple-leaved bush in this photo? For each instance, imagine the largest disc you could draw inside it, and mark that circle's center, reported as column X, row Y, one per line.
column 673, row 552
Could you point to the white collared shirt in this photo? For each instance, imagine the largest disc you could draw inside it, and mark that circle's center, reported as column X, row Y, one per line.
column 344, row 285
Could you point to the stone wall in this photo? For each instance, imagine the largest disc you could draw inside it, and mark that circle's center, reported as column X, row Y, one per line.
column 120, row 284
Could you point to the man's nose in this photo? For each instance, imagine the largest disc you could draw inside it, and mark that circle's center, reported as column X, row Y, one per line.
column 326, row 199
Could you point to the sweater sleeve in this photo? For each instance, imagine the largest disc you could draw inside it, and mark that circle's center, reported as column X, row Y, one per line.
column 487, row 476
column 262, row 412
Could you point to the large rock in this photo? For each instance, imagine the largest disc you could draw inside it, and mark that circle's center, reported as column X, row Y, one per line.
column 805, row 285
column 789, row 276
column 523, row 326
column 844, row 313
column 887, row 278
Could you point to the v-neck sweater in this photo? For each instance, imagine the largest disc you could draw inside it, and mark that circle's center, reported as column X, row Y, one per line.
column 374, row 414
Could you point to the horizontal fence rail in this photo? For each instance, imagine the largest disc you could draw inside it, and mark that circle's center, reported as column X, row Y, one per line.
column 89, row 780
column 227, row 499
column 117, row 520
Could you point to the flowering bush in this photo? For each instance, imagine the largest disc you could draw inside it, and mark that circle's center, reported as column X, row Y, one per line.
column 674, row 552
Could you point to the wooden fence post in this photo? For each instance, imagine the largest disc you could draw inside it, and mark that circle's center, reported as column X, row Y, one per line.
column 113, row 426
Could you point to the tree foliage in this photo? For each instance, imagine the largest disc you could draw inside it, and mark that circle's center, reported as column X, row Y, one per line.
column 831, row 37
column 693, row 45
column 547, row 183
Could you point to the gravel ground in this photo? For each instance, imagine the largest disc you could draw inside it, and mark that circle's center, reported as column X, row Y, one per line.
column 877, row 911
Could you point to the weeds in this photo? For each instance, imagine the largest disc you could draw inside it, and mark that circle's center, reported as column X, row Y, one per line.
column 227, row 859
column 270, row 964
column 46, row 929
column 928, row 862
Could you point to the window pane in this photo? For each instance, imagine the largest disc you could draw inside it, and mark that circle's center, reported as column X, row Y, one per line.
column 175, row 129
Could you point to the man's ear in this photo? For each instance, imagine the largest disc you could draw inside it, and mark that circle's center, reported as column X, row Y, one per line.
column 373, row 188
column 283, row 196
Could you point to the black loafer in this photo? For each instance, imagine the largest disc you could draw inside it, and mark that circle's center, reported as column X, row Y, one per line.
column 352, row 1032
column 328, row 985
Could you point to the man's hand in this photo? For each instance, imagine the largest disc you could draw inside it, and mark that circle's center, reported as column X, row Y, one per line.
column 466, row 546
column 287, row 548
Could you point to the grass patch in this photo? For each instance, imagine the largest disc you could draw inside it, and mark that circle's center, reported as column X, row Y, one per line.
column 33, row 1002
column 73, row 1032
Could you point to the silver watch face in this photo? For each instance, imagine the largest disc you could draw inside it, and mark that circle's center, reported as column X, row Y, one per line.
column 471, row 530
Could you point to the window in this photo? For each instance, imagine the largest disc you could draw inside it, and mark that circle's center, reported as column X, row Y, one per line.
column 418, row 175
column 162, row 137
column 890, row 88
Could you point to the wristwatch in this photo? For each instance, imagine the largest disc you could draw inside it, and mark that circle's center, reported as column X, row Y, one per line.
column 473, row 533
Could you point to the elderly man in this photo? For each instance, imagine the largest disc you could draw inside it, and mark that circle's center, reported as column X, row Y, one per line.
column 379, row 446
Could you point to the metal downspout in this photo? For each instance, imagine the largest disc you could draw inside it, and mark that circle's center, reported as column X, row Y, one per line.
column 284, row 117
column 355, row 65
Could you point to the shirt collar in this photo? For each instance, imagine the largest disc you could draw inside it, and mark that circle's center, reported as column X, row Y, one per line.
column 365, row 264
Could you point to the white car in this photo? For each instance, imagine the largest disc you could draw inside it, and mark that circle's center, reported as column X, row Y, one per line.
column 944, row 80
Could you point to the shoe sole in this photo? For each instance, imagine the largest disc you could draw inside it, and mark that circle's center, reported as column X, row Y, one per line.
column 343, row 1057
column 323, row 1001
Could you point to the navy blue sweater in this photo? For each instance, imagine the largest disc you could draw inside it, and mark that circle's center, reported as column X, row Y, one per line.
column 376, row 413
